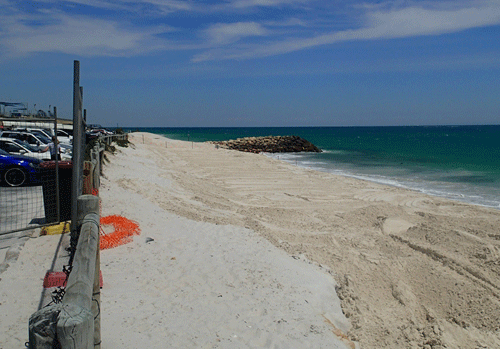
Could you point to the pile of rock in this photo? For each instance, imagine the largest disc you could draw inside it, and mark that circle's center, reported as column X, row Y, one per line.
column 269, row 144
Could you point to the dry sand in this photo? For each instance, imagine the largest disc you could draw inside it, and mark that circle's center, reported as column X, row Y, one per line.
column 199, row 281
column 251, row 252
column 412, row 270
column 21, row 286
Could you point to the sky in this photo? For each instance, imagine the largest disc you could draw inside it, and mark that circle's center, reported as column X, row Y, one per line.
column 250, row 63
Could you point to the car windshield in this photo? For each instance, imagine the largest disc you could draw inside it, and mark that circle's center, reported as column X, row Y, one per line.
column 26, row 145
column 3, row 152
column 41, row 132
column 43, row 139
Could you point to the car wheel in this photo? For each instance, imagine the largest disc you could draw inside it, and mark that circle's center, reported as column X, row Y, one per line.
column 14, row 177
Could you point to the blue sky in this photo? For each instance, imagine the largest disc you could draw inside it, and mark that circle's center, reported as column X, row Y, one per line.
column 174, row 63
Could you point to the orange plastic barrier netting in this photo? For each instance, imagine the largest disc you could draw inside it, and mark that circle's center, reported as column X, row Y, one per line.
column 124, row 229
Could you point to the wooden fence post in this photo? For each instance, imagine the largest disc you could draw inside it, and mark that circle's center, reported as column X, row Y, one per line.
column 42, row 328
column 76, row 325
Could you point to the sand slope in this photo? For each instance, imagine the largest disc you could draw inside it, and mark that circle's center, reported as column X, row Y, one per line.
column 187, row 283
column 411, row 270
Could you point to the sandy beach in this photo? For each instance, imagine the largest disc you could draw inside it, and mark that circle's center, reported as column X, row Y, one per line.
column 239, row 250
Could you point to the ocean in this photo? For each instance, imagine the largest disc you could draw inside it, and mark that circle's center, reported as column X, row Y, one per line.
column 456, row 162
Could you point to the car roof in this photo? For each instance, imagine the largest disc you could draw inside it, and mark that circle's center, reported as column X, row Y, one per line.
column 23, row 133
column 14, row 140
column 17, row 131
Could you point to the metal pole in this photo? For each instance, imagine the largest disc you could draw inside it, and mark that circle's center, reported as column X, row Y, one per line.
column 82, row 132
column 58, row 208
column 77, row 147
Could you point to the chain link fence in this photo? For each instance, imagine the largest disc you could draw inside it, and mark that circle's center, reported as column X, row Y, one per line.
column 21, row 208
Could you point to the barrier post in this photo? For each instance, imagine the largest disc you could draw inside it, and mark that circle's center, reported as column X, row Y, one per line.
column 75, row 323
column 76, row 326
column 42, row 328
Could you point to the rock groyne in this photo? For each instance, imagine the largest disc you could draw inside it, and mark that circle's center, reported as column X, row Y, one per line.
column 269, row 144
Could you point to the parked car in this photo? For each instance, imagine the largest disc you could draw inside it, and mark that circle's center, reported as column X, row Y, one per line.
column 65, row 142
column 38, row 140
column 97, row 130
column 34, row 140
column 15, row 146
column 17, row 170
column 62, row 136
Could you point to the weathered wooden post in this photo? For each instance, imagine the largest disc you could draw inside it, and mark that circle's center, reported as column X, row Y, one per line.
column 43, row 328
column 79, row 320
column 75, row 323
column 97, row 169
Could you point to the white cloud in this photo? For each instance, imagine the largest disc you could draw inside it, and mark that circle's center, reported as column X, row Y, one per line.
column 179, row 5
column 378, row 24
column 290, row 22
column 77, row 35
column 63, row 32
column 170, row 5
column 264, row 3
column 415, row 21
column 221, row 34
column 163, row 6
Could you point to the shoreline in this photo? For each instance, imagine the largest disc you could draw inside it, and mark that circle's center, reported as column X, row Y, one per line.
column 475, row 182
column 366, row 177
column 411, row 269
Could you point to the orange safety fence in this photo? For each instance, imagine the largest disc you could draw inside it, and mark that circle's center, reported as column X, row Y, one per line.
column 124, row 230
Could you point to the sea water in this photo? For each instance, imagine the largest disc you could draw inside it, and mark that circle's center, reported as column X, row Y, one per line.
column 456, row 162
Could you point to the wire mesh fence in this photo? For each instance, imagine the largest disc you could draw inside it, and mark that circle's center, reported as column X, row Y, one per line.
column 45, row 195
column 43, row 199
column 21, row 207
column 29, row 185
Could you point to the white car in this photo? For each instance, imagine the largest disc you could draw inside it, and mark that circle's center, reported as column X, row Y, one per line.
column 17, row 147
column 37, row 140
column 62, row 136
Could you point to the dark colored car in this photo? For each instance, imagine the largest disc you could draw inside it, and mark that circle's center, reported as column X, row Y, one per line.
column 16, row 170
